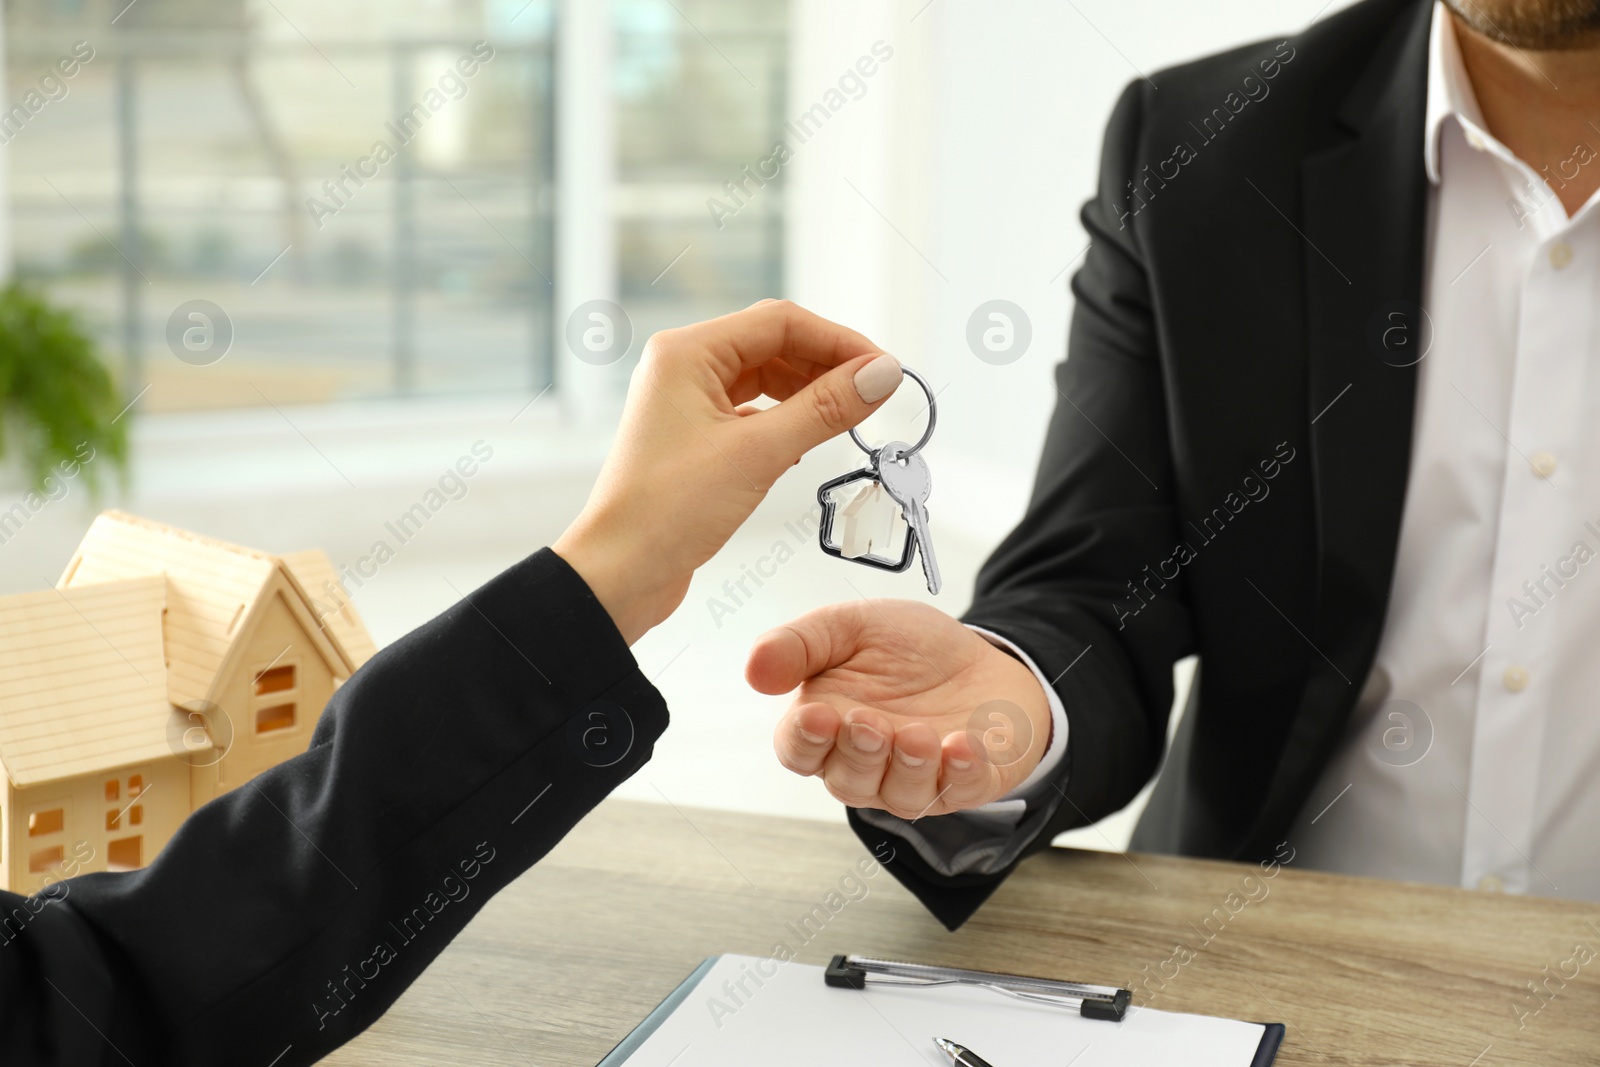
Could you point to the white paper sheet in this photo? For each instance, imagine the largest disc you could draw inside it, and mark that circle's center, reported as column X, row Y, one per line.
column 794, row 1019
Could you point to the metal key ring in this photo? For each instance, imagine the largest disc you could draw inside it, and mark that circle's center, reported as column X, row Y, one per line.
column 933, row 417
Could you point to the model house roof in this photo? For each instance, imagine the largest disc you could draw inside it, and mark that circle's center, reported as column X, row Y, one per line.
column 83, row 685
column 212, row 586
column 314, row 571
column 144, row 617
column 213, row 589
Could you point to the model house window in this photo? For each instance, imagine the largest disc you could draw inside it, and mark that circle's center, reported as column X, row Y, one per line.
column 121, row 812
column 125, row 854
column 277, row 717
column 277, row 685
column 275, row 680
column 44, row 823
column 45, row 859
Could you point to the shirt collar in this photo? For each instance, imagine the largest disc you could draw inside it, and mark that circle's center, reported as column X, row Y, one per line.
column 1450, row 92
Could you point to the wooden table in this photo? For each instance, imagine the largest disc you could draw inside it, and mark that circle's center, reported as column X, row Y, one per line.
column 564, row 962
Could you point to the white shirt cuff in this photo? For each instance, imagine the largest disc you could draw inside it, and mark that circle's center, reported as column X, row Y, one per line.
column 1010, row 808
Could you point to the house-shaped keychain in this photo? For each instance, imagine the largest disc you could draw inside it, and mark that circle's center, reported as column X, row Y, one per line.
column 163, row 670
column 871, row 523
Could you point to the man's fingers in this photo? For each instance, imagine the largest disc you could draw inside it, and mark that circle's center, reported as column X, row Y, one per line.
column 967, row 779
column 783, row 658
column 911, row 785
column 804, row 737
column 854, row 769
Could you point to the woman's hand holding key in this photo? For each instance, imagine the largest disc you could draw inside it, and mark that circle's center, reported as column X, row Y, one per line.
column 691, row 461
column 901, row 707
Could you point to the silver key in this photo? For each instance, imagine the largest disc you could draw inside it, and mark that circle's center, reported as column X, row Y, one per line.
column 909, row 483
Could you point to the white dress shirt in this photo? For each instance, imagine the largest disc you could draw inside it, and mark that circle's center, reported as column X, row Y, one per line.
column 1473, row 756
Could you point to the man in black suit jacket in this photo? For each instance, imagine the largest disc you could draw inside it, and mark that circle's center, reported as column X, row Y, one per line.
column 1252, row 262
column 285, row 916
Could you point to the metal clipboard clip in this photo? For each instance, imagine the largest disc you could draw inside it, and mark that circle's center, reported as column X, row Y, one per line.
column 1092, row 1001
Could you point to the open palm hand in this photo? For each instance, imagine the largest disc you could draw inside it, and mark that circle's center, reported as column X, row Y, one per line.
column 901, row 707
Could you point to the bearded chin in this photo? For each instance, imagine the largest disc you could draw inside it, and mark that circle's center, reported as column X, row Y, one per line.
column 1541, row 25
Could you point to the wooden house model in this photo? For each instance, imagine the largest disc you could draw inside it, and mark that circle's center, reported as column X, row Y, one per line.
column 163, row 670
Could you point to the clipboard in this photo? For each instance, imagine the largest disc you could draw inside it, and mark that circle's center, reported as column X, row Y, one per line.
column 734, row 1010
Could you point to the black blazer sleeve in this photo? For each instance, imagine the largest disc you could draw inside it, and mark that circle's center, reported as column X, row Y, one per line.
column 287, row 915
column 1074, row 583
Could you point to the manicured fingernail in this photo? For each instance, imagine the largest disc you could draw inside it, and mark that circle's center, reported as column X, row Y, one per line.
column 815, row 739
column 878, row 379
column 908, row 759
column 865, row 737
column 960, row 764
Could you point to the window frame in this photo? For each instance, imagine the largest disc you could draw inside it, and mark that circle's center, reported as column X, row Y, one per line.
column 272, row 700
column 36, row 845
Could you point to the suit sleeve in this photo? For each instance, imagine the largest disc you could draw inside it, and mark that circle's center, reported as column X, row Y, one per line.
column 1073, row 585
column 287, row 915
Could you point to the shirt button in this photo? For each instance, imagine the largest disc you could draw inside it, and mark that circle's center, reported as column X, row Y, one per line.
column 1491, row 883
column 1544, row 464
column 1560, row 254
column 1516, row 678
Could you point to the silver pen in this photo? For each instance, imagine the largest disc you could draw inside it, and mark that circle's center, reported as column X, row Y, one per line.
column 960, row 1057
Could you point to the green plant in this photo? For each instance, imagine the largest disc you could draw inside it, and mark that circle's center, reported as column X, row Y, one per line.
column 58, row 402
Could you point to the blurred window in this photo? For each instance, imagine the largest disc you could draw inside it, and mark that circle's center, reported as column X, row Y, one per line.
column 291, row 201
column 701, row 93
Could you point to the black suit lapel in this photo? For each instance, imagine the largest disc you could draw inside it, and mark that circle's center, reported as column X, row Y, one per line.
column 1363, row 214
